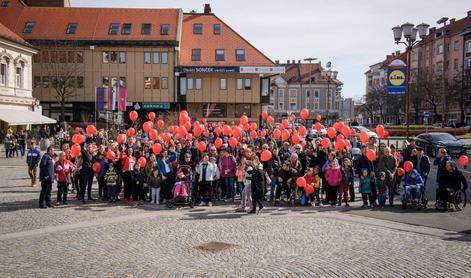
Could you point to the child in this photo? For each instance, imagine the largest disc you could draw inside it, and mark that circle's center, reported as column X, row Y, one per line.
column 312, row 178
column 317, row 186
column 100, row 176
column 382, row 185
column 347, row 181
column 366, row 183
column 240, row 174
column 246, row 196
column 138, row 195
column 155, row 182
column 111, row 178
column 333, row 176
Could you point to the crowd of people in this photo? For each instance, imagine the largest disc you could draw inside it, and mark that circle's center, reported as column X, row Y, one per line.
column 240, row 163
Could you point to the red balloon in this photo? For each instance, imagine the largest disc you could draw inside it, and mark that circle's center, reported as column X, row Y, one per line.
column 204, row 121
column 408, row 166
column 78, row 139
column 331, row 132
column 364, row 137
column 131, row 131
column 157, row 148
column 253, row 126
column 189, row 136
column 147, row 126
column 244, row 119
column 121, row 138
column 182, row 131
column 318, row 127
column 153, row 134
column 318, row 117
column 285, row 134
column 380, row 130
column 276, row 134
column 226, row 130
column 96, row 167
column 151, row 116
column 337, row 126
column 75, row 150
column 217, row 130
column 133, row 116
column 264, row 115
column 301, row 182
column 463, row 160
column 284, row 123
column 160, row 124
column 292, row 117
column 302, row 130
column 218, row 143
column 237, row 132
column 263, row 133
column 197, row 129
column 309, row 189
column 202, row 146
column 340, row 137
column 111, row 155
column 265, row 155
column 253, row 134
column 346, row 131
column 271, row 120
column 385, row 134
column 304, row 114
column 352, row 132
column 400, row 172
column 325, row 143
column 371, row 155
column 340, row 144
column 206, row 133
column 187, row 126
column 90, row 129
column 142, row 161
column 295, row 138
column 183, row 117
column 166, row 137
column 233, row 142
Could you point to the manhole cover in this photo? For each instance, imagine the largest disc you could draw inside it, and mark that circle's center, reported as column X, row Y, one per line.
column 214, row 246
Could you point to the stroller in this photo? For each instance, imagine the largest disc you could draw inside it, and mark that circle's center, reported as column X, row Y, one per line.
column 182, row 190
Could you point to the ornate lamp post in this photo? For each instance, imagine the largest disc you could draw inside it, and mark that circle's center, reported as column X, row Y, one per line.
column 330, row 75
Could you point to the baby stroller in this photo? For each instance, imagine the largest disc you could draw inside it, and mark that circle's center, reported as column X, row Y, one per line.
column 182, row 189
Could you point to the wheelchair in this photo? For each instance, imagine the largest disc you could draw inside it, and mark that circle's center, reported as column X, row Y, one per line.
column 456, row 199
column 421, row 204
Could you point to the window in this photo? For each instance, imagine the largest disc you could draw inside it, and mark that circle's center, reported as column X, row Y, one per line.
column 122, row 57
column 240, row 54
column 164, row 29
column 147, row 57
column 62, row 56
column 147, row 82
column 217, row 29
column 219, row 54
column 29, row 26
column 223, row 84
column 164, row 58
column 248, row 84
column 308, row 99
column 19, row 76
column 265, row 87
column 114, row 82
column 164, row 83
column 456, row 45
column 198, row 29
column 240, row 84
column 114, row 27
column 79, row 56
column 156, row 83
column 79, row 82
column 71, row 29
column 243, row 109
column 122, row 82
column 106, row 82
column 293, row 99
column 146, row 28
column 71, row 57
column 189, row 83
column 113, row 57
column 439, row 49
column 198, row 83
column 46, row 82
column 5, row 3
column 215, row 110
column 439, row 67
column 106, row 57
column 126, row 29
column 3, row 74
column 156, row 57
column 316, row 94
column 196, row 54
column 467, row 46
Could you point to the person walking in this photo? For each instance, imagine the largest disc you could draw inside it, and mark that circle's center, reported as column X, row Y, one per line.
column 32, row 160
column 46, row 176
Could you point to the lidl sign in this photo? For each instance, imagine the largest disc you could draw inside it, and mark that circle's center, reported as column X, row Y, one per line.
column 397, row 81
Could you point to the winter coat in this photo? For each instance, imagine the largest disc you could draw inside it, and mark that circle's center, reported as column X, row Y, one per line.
column 387, row 164
column 455, row 179
column 228, row 165
column 382, row 185
column 366, row 184
column 210, row 171
column 154, row 182
column 257, row 182
column 33, row 157
column 46, row 168
column 418, row 181
column 63, row 169
column 333, row 176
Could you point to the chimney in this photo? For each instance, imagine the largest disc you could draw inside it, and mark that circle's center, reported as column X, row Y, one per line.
column 287, row 61
column 293, row 61
column 277, row 62
column 398, row 53
column 207, row 9
column 299, row 61
column 452, row 21
column 469, row 14
column 431, row 30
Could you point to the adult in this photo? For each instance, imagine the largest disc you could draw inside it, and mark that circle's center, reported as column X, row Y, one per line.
column 407, row 152
column 387, row 164
column 364, row 163
column 206, row 172
column 8, row 145
column 22, row 139
column 422, row 164
column 166, row 172
column 441, row 161
column 455, row 181
column 32, row 160
column 86, row 173
column 228, row 166
column 257, row 185
column 128, row 162
column 46, row 176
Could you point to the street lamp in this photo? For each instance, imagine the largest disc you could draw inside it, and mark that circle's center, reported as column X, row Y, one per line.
column 330, row 75
column 309, row 59
column 409, row 32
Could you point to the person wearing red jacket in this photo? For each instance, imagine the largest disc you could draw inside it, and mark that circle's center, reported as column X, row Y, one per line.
column 333, row 176
column 63, row 169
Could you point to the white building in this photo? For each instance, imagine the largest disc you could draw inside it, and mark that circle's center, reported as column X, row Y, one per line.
column 16, row 100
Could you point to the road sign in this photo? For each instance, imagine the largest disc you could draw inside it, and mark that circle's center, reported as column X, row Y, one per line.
column 427, row 115
column 397, row 81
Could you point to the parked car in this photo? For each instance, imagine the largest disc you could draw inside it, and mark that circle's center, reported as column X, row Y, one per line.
column 360, row 128
column 433, row 141
column 313, row 132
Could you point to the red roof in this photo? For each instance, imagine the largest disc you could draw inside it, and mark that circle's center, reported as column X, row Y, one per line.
column 298, row 73
column 8, row 34
column 451, row 29
column 208, row 42
column 93, row 23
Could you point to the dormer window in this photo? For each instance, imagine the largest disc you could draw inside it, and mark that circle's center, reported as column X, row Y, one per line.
column 114, row 27
column 5, row 3
column 126, row 29
column 146, row 28
column 164, row 29
column 29, row 26
column 71, row 29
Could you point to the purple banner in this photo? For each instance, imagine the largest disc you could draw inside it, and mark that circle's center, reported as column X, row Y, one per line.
column 100, row 99
column 122, row 99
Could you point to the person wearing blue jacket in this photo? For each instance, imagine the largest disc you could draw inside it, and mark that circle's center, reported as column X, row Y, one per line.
column 32, row 160
column 414, row 180
column 46, row 176
column 164, row 164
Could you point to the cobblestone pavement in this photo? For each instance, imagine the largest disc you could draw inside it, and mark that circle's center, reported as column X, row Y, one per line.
column 98, row 240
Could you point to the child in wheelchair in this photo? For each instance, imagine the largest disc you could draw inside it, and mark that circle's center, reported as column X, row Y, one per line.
column 413, row 189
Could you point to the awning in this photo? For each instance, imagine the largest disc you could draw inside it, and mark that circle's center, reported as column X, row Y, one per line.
column 24, row 117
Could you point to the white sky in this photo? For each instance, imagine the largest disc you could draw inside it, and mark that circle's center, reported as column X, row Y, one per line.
column 353, row 34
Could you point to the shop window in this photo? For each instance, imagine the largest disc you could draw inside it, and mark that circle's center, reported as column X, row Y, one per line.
column 215, row 110
column 243, row 109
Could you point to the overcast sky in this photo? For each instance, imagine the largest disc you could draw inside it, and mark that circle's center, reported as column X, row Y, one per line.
column 350, row 34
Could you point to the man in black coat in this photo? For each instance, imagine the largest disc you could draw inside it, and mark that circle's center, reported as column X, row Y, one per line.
column 364, row 163
column 407, row 155
column 421, row 163
column 46, row 176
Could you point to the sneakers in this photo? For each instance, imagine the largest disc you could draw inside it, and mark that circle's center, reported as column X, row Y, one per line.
column 58, row 203
column 201, row 204
column 210, row 204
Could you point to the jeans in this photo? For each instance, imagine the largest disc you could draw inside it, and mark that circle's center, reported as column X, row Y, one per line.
column 112, row 193
column 205, row 191
column 408, row 194
column 62, row 190
column 155, row 195
column 229, row 182
column 22, row 148
column 86, row 177
column 382, row 196
column 272, row 186
column 45, row 194
column 102, row 192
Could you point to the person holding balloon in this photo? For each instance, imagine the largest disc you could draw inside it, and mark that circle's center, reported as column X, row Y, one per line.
column 86, row 172
column 63, row 169
column 333, row 176
column 99, row 168
column 387, row 164
column 365, row 162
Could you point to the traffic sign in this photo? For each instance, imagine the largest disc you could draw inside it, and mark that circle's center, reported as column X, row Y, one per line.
column 427, row 115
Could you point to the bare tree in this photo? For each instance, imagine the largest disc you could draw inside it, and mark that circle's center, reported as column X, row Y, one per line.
column 460, row 91
column 376, row 101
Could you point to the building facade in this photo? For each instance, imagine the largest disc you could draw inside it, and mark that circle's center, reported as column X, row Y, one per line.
column 304, row 86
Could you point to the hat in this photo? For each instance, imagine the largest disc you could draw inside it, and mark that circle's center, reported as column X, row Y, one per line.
column 414, row 172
